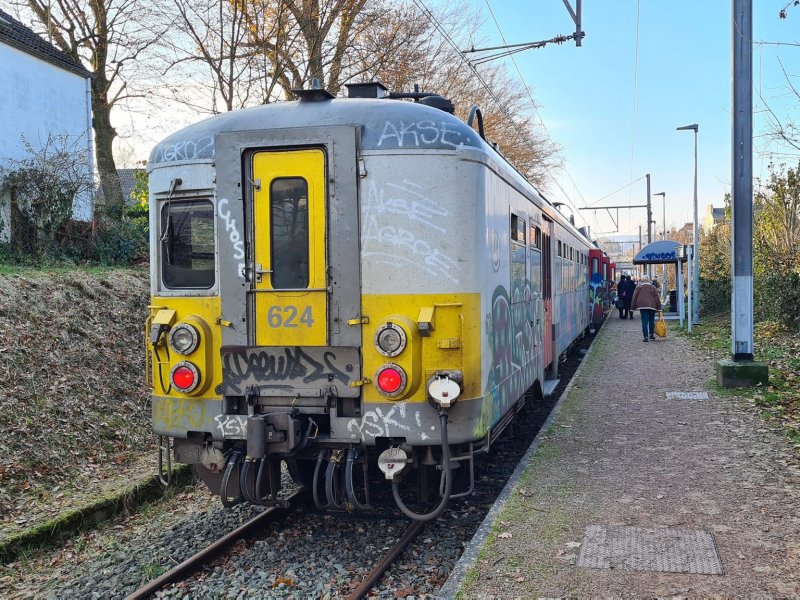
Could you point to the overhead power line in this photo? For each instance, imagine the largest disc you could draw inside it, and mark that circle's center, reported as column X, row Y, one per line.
column 539, row 116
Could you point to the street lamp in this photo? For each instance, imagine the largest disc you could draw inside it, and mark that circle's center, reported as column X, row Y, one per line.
column 695, row 260
column 663, row 237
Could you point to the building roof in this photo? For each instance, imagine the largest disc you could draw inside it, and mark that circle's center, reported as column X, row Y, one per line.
column 127, row 181
column 15, row 34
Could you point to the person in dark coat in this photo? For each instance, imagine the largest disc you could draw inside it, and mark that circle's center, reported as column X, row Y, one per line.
column 626, row 290
column 621, row 293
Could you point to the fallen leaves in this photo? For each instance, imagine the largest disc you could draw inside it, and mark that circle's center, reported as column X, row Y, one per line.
column 73, row 400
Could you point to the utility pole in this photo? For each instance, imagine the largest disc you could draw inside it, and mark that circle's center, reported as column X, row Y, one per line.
column 649, row 212
column 649, row 224
column 640, row 242
column 741, row 371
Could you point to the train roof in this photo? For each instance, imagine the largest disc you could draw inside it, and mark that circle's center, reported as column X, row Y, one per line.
column 385, row 125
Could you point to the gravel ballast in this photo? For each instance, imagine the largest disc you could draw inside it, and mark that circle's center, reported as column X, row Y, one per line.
column 308, row 554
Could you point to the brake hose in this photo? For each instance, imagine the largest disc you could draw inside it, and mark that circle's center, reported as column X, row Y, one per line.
column 348, row 478
column 233, row 460
column 314, row 489
column 448, row 481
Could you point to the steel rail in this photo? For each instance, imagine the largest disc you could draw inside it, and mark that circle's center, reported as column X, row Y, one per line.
column 195, row 561
column 379, row 569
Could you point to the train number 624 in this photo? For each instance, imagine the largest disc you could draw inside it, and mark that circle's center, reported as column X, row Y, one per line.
column 287, row 316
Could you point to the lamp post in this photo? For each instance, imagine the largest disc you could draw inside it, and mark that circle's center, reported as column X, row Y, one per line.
column 663, row 237
column 695, row 317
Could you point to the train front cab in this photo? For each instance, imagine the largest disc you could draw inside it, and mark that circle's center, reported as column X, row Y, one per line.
column 285, row 359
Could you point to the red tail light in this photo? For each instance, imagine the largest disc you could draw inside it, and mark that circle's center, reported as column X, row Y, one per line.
column 185, row 376
column 390, row 380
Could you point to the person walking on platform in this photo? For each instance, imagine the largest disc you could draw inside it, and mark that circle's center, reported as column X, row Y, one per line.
column 627, row 296
column 647, row 300
column 622, row 290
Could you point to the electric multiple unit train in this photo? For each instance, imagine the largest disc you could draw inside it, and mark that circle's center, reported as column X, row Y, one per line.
column 344, row 283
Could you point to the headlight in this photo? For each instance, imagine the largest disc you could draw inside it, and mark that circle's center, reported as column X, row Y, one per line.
column 183, row 338
column 390, row 339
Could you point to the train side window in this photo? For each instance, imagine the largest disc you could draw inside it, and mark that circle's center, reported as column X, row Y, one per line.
column 559, row 249
column 187, row 244
column 595, row 264
column 517, row 229
column 536, row 237
column 288, row 224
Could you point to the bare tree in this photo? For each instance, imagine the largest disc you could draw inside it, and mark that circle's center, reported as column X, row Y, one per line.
column 108, row 37
column 281, row 45
column 423, row 54
column 218, row 36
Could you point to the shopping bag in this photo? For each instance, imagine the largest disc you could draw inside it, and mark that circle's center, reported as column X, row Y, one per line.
column 661, row 327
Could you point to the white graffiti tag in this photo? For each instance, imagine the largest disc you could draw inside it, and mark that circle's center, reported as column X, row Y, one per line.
column 402, row 226
column 415, row 134
column 232, row 426
column 376, row 423
column 233, row 232
column 202, row 147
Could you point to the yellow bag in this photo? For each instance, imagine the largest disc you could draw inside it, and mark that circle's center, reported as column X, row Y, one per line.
column 661, row 326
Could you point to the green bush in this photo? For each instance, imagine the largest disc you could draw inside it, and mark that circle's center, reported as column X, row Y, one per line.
column 122, row 242
column 776, row 297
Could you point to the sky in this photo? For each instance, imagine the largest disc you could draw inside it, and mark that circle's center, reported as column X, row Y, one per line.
column 614, row 110
column 612, row 105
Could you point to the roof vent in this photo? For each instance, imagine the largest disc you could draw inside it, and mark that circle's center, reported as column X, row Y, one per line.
column 313, row 94
column 368, row 89
column 439, row 102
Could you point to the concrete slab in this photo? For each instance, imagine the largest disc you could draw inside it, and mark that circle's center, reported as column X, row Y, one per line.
column 663, row 549
column 741, row 374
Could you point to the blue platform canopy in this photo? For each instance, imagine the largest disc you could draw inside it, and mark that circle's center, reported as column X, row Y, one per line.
column 660, row 252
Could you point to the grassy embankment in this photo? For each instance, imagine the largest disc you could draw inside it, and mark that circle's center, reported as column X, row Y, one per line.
column 775, row 346
column 73, row 403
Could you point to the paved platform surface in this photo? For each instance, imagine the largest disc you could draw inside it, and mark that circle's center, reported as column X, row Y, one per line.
column 636, row 491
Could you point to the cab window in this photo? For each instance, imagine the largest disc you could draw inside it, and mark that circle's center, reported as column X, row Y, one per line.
column 187, row 244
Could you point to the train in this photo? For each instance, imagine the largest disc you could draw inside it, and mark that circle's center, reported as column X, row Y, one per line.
column 350, row 285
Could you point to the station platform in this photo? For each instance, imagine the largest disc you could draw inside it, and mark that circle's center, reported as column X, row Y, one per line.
column 645, row 482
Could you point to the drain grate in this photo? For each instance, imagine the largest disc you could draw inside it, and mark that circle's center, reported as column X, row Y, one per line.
column 650, row 549
column 687, row 395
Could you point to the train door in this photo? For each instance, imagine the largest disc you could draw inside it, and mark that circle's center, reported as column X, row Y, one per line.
column 290, row 266
column 535, row 260
column 547, row 288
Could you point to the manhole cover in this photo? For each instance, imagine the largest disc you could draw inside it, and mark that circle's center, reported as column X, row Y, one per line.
column 650, row 549
column 687, row 395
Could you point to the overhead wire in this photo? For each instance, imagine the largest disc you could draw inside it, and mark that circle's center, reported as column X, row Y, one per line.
column 539, row 116
column 635, row 92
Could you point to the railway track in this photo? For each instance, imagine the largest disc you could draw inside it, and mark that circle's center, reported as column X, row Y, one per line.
column 251, row 527
column 214, row 550
column 379, row 569
column 307, row 553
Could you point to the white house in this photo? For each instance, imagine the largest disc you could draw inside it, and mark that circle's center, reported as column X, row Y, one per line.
column 43, row 91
